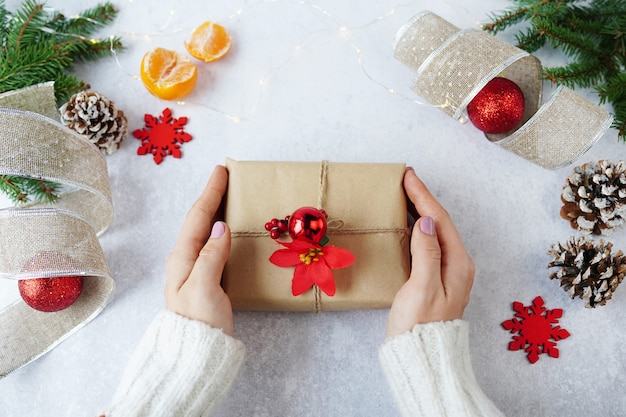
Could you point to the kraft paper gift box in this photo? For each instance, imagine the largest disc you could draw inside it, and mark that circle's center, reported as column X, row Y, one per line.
column 367, row 215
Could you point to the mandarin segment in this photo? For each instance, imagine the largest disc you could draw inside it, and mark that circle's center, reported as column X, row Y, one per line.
column 209, row 42
column 168, row 74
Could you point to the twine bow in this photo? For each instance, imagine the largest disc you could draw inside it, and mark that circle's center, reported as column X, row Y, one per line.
column 63, row 237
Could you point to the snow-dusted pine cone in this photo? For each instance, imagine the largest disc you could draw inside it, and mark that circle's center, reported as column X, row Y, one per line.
column 588, row 271
column 594, row 197
column 97, row 118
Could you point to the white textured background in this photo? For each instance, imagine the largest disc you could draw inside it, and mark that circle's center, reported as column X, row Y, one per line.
column 325, row 96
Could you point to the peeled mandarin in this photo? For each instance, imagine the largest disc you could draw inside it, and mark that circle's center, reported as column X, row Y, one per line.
column 209, row 42
column 167, row 74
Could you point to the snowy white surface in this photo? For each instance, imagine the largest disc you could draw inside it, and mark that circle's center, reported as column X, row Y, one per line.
column 311, row 80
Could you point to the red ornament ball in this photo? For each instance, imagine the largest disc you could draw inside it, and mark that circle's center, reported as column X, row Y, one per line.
column 498, row 107
column 50, row 294
column 308, row 223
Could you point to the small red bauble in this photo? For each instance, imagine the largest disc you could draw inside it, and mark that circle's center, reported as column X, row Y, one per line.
column 308, row 223
column 50, row 294
column 498, row 107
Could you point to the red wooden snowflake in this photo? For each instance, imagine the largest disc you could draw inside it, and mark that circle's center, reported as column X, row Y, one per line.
column 162, row 136
column 536, row 333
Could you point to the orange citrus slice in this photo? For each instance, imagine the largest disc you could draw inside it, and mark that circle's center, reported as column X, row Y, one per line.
column 167, row 74
column 208, row 42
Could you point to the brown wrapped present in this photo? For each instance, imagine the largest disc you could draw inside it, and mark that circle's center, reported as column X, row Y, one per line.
column 367, row 215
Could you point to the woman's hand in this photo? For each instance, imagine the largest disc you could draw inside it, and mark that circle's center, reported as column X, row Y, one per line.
column 195, row 266
column 442, row 272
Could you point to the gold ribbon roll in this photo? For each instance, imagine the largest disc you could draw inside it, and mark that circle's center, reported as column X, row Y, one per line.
column 39, row 241
column 453, row 65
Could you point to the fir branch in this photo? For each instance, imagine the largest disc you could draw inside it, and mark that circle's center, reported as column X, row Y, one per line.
column 586, row 74
column 4, row 16
column 619, row 123
column 591, row 34
column 24, row 190
column 38, row 46
column 88, row 22
column 39, row 60
column 75, row 33
column 571, row 42
column 532, row 40
column 27, row 18
column 90, row 50
column 65, row 85
column 615, row 88
column 511, row 17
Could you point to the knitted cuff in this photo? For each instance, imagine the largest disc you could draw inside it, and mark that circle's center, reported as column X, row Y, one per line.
column 430, row 372
column 180, row 367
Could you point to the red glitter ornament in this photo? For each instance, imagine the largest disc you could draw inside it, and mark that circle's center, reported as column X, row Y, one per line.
column 535, row 331
column 498, row 107
column 308, row 223
column 50, row 294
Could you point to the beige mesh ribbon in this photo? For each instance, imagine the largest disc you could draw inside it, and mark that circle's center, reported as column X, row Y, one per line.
column 336, row 226
column 453, row 65
column 50, row 241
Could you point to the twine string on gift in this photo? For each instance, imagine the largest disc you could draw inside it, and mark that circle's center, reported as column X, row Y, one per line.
column 48, row 242
column 338, row 229
column 321, row 197
column 321, row 202
column 317, row 299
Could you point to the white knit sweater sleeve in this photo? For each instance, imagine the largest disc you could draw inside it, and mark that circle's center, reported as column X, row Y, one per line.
column 181, row 367
column 430, row 372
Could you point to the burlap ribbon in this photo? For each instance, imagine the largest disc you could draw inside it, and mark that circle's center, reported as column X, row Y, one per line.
column 453, row 65
column 50, row 241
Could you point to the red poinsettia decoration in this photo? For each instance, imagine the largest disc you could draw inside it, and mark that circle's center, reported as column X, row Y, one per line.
column 314, row 264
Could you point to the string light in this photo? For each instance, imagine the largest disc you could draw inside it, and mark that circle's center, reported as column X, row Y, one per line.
column 343, row 30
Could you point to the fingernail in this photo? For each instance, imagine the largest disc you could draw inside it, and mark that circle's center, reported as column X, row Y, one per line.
column 218, row 230
column 427, row 225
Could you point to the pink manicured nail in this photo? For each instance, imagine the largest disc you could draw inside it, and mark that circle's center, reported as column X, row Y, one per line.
column 217, row 231
column 427, row 225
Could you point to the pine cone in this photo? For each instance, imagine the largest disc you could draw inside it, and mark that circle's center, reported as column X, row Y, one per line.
column 594, row 197
column 97, row 118
column 588, row 271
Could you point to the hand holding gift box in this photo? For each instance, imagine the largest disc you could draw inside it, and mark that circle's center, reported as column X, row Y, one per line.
column 423, row 320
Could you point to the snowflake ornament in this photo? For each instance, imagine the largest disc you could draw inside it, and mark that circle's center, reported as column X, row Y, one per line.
column 162, row 136
column 535, row 331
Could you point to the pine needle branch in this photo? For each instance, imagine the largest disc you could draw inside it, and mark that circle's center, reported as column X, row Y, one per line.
column 511, row 17
column 24, row 190
column 38, row 46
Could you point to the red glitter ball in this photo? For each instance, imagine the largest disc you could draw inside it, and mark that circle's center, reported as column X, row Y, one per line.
column 498, row 107
column 50, row 294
